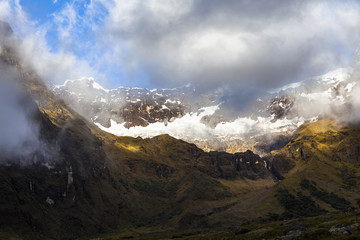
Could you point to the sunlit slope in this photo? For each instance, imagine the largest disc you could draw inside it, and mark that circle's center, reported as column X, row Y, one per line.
column 324, row 160
column 319, row 169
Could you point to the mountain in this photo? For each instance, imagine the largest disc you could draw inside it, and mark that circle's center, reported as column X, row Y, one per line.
column 77, row 181
column 312, row 98
column 131, row 106
column 317, row 196
column 181, row 113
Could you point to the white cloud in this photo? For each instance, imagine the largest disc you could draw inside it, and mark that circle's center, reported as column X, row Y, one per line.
column 53, row 66
column 66, row 20
column 5, row 10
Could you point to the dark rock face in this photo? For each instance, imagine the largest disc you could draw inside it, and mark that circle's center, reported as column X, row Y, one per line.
column 150, row 111
column 280, row 107
column 279, row 164
column 238, row 165
column 5, row 29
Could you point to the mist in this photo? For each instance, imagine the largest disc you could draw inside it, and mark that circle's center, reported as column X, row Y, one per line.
column 19, row 134
column 20, row 125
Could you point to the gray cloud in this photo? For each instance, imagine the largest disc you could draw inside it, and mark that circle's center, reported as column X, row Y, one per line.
column 234, row 45
column 238, row 48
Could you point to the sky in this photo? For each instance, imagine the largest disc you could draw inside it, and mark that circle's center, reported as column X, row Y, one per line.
column 236, row 48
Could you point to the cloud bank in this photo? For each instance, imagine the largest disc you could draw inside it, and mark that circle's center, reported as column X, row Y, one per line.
column 237, row 48
column 241, row 47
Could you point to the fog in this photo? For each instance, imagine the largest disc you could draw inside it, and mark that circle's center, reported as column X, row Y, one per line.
column 19, row 134
column 20, row 125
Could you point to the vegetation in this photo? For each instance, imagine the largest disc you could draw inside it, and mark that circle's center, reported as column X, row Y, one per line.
column 307, row 228
column 348, row 177
column 331, row 198
column 297, row 206
column 158, row 188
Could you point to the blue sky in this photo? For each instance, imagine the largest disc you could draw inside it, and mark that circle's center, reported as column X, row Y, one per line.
column 225, row 46
column 42, row 12
column 79, row 36
column 41, row 9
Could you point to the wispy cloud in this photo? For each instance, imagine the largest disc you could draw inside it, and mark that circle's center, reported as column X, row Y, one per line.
column 19, row 134
column 54, row 66
column 66, row 19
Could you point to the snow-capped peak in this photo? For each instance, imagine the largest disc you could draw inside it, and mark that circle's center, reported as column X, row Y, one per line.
column 337, row 75
column 84, row 80
column 148, row 113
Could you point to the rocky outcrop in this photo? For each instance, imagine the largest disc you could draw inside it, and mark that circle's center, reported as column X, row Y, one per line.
column 280, row 106
column 342, row 230
column 5, row 29
column 234, row 166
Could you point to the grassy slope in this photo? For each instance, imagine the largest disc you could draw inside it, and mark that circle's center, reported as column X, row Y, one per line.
column 316, row 228
column 320, row 151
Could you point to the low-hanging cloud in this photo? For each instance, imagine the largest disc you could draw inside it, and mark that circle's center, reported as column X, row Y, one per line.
column 19, row 134
column 22, row 139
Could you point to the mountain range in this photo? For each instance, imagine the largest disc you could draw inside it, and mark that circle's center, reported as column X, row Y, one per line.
column 76, row 180
column 197, row 118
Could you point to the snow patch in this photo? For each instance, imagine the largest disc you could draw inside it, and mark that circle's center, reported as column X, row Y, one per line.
column 286, row 87
column 317, row 95
column 170, row 101
column 350, row 86
column 98, row 86
column 190, row 127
